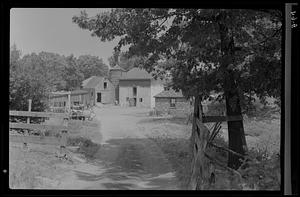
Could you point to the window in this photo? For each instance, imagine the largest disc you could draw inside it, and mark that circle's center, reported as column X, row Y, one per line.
column 105, row 85
column 141, row 99
column 172, row 102
column 134, row 91
column 64, row 103
column 127, row 98
column 92, row 94
column 166, row 88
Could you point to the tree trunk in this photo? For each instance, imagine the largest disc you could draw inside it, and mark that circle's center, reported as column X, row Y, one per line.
column 236, row 135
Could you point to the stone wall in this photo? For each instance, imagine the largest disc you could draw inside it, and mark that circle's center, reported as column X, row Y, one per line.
column 182, row 106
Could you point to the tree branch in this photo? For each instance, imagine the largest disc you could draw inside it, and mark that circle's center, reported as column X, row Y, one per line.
column 267, row 38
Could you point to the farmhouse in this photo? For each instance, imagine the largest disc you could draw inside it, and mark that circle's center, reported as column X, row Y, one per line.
column 137, row 88
column 102, row 90
column 171, row 102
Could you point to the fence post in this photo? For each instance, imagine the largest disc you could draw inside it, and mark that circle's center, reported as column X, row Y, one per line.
column 29, row 109
column 25, row 145
column 201, row 168
column 69, row 102
column 193, row 182
column 64, row 138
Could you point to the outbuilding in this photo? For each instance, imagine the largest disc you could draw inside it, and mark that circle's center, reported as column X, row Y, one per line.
column 172, row 102
column 60, row 99
column 103, row 90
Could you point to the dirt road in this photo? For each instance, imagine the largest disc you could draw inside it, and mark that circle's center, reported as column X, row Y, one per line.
column 127, row 159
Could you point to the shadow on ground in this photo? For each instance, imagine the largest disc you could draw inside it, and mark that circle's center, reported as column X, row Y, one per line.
column 131, row 163
column 160, row 120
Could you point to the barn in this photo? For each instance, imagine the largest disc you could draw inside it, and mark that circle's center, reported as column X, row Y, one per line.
column 137, row 88
column 171, row 102
column 103, row 90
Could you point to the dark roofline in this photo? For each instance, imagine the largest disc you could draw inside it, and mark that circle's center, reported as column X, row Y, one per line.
column 134, row 79
column 169, row 96
column 117, row 67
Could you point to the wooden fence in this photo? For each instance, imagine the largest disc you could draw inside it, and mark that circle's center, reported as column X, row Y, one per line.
column 59, row 138
column 203, row 165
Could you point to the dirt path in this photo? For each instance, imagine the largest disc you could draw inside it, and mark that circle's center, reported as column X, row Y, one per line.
column 128, row 159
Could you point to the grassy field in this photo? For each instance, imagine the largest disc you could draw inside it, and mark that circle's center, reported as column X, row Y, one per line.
column 39, row 166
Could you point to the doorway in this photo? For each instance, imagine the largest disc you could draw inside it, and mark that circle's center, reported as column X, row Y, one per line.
column 134, row 91
column 99, row 97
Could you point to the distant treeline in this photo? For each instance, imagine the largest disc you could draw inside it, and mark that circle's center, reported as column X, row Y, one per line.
column 34, row 76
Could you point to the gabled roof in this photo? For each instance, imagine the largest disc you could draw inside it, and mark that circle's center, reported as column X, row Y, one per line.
column 136, row 73
column 92, row 82
column 171, row 93
column 79, row 92
column 117, row 67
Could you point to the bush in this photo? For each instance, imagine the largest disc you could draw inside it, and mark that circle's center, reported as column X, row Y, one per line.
column 86, row 146
column 262, row 171
column 259, row 171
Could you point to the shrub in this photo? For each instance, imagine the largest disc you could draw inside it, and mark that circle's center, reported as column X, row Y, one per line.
column 86, row 146
column 262, row 171
column 259, row 171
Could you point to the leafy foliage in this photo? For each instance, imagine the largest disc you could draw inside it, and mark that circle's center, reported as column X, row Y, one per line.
column 34, row 76
column 91, row 65
column 259, row 171
column 262, row 171
column 125, row 62
column 191, row 37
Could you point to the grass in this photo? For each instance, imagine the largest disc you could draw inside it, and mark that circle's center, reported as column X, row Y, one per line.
column 22, row 177
column 178, row 154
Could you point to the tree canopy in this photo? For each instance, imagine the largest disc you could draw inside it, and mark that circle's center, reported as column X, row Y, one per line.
column 192, row 38
column 124, row 61
column 34, row 76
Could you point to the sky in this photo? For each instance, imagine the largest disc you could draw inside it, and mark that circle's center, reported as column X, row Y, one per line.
column 52, row 30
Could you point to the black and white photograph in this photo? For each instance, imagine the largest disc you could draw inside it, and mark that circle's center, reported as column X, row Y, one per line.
column 146, row 99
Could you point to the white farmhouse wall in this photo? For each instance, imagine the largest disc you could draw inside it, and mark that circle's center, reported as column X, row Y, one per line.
column 124, row 92
column 156, row 87
column 143, row 92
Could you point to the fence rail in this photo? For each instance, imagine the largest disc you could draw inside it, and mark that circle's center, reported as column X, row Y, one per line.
column 37, row 126
column 60, row 139
column 207, row 119
column 203, row 164
column 38, row 114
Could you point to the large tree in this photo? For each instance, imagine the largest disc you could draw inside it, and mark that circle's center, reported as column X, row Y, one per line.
column 91, row 65
column 234, row 52
column 25, row 83
column 72, row 73
column 125, row 62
